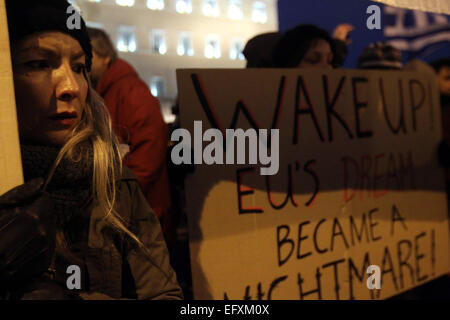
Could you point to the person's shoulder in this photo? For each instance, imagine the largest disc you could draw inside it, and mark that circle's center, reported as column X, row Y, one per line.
column 136, row 90
column 125, row 71
column 121, row 76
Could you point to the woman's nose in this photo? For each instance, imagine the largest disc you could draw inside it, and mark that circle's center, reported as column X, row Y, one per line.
column 67, row 87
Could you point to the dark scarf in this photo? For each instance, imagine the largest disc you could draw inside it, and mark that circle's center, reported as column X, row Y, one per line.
column 71, row 185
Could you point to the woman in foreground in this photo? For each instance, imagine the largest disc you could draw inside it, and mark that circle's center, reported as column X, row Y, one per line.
column 79, row 228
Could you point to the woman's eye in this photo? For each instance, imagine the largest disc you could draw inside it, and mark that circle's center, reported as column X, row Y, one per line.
column 79, row 68
column 38, row 64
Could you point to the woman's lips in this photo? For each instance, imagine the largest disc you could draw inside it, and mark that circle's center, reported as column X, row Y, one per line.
column 68, row 122
column 64, row 119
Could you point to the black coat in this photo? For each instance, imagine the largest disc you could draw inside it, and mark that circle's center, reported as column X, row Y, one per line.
column 113, row 267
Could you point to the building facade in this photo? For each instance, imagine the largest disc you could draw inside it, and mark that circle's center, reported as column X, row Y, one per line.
column 159, row 36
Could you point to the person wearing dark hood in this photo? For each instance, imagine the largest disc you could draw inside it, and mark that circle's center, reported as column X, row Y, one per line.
column 306, row 46
column 89, row 216
column 442, row 68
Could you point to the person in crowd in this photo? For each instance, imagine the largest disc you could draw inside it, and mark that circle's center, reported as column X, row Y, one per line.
column 380, row 56
column 138, row 123
column 442, row 68
column 80, row 213
column 307, row 46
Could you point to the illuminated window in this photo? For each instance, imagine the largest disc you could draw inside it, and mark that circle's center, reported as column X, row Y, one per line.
column 126, row 41
column 125, row 3
column 235, row 10
column 185, row 44
column 157, row 87
column 159, row 42
column 183, row 6
column 237, row 46
column 212, row 47
column 259, row 13
column 155, row 4
column 211, row 8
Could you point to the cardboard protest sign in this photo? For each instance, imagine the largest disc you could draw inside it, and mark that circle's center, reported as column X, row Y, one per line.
column 10, row 163
column 358, row 184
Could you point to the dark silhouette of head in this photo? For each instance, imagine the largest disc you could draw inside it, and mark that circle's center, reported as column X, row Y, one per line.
column 295, row 44
column 259, row 49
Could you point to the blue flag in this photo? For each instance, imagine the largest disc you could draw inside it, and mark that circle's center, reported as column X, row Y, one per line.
column 418, row 34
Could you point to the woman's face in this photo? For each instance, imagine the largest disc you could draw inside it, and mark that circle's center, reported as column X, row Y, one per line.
column 319, row 55
column 50, row 87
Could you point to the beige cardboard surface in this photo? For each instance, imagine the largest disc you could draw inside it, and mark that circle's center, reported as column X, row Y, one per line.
column 367, row 192
column 10, row 163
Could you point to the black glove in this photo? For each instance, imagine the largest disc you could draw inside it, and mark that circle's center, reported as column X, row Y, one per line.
column 27, row 233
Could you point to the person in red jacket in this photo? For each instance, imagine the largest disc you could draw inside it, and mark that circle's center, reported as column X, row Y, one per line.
column 137, row 121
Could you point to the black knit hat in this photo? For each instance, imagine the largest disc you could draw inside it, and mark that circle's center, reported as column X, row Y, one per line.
column 26, row 17
column 380, row 55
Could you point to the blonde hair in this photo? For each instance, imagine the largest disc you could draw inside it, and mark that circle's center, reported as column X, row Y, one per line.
column 94, row 129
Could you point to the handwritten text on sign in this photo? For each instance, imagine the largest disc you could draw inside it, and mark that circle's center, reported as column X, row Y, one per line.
column 358, row 185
